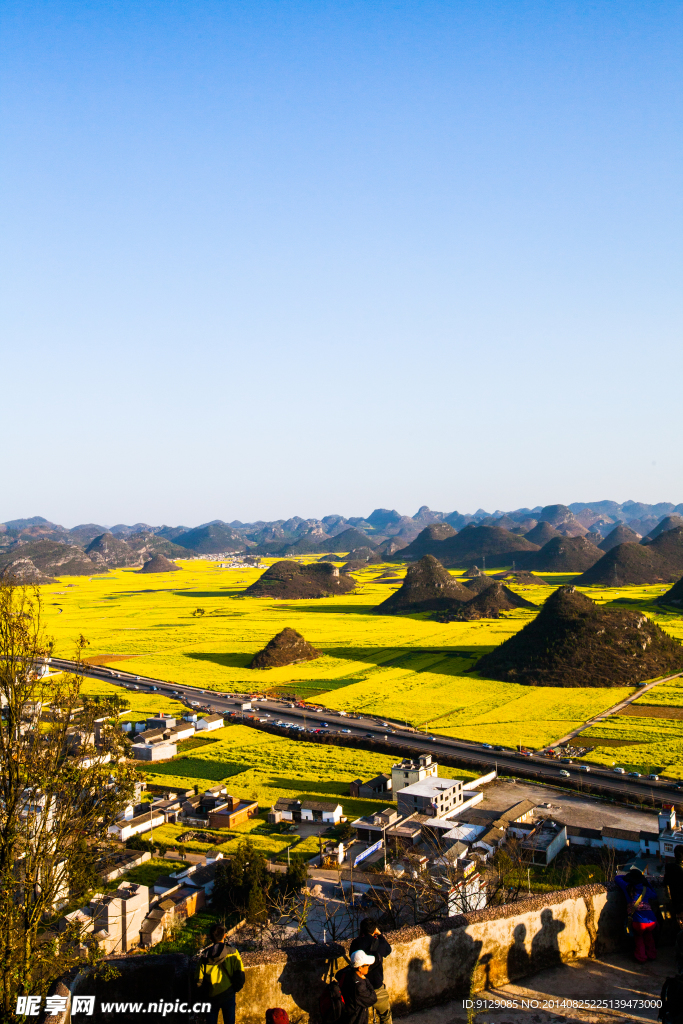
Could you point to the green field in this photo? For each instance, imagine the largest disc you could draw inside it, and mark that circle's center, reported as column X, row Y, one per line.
column 406, row 668
column 258, row 766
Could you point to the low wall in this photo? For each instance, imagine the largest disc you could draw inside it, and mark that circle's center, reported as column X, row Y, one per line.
column 429, row 964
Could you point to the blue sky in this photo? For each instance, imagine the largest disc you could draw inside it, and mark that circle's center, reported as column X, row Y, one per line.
column 263, row 259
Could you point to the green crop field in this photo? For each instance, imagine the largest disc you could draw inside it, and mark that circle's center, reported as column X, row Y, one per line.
column 258, row 766
column 197, row 627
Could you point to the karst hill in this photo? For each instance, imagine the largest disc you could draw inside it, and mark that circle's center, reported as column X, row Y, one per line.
column 112, row 552
column 159, row 563
column 478, row 584
column 660, row 561
column 521, row 578
column 473, row 545
column 621, row 534
column 542, row 533
column 54, row 558
column 288, row 579
column 667, row 523
column 488, row 603
column 575, row 642
column 563, row 554
column 23, row 571
column 673, row 597
column 424, row 542
column 427, row 587
column 287, row 648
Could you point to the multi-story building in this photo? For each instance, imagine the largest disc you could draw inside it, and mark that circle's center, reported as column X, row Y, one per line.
column 117, row 919
column 431, row 796
column 407, row 772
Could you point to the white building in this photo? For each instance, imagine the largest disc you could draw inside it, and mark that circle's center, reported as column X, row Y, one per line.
column 432, row 796
column 154, row 751
column 407, row 772
column 127, row 827
column 210, row 723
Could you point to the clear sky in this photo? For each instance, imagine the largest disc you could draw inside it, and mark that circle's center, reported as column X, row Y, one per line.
column 273, row 258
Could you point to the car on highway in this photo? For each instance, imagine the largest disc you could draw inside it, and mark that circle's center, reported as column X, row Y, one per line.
column 487, row 746
column 194, row 703
column 565, row 773
column 634, row 775
column 498, row 747
column 620, row 771
column 583, row 767
column 653, row 778
column 566, row 760
column 370, row 735
column 346, row 730
column 325, row 725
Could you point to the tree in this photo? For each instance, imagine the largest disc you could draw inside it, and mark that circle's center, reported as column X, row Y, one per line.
column 63, row 781
column 297, row 875
column 242, row 883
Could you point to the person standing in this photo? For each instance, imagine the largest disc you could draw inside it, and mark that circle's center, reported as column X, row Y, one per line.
column 372, row 942
column 642, row 920
column 220, row 976
column 357, row 992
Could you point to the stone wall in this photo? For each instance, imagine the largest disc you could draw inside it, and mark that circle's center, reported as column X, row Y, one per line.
column 429, row 964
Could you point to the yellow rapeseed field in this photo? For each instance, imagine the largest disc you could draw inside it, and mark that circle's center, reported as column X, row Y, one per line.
column 197, row 627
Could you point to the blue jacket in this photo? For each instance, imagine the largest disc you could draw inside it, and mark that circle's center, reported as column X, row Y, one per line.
column 638, row 897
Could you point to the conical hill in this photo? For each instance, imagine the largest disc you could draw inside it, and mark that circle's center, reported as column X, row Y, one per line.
column 666, row 524
column 542, row 533
column 287, row 648
column 674, row 596
column 427, row 587
column 112, row 552
column 488, row 604
column 427, row 541
column 661, row 561
column 575, row 642
column 621, row 534
column 478, row 584
column 521, row 578
column 289, row 579
column 564, row 554
column 160, row 563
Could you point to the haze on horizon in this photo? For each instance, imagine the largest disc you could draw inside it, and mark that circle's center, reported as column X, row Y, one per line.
column 264, row 260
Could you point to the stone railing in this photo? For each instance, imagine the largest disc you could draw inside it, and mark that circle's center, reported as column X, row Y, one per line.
column 429, row 963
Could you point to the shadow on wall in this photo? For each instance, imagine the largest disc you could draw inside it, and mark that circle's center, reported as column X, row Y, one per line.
column 427, row 986
column 545, row 948
column 304, row 982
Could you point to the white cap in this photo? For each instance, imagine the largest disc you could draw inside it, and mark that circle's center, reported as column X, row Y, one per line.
column 360, row 958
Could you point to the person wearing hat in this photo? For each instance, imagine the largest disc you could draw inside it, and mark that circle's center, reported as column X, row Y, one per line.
column 641, row 918
column 277, row 1016
column 357, row 992
column 372, row 941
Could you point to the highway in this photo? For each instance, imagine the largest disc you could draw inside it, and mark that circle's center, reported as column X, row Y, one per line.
column 401, row 737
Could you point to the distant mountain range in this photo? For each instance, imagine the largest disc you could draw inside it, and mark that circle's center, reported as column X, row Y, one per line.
column 92, row 545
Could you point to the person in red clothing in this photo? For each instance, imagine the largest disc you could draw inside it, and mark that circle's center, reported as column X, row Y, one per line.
column 642, row 919
column 276, row 1015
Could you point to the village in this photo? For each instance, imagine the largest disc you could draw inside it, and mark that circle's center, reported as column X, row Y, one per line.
column 436, row 831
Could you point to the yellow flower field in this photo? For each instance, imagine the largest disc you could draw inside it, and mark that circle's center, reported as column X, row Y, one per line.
column 196, row 627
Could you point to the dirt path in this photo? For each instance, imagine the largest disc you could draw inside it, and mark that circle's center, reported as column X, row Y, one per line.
column 614, row 710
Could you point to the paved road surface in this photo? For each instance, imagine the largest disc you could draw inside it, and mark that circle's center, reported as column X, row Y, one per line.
column 404, row 739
